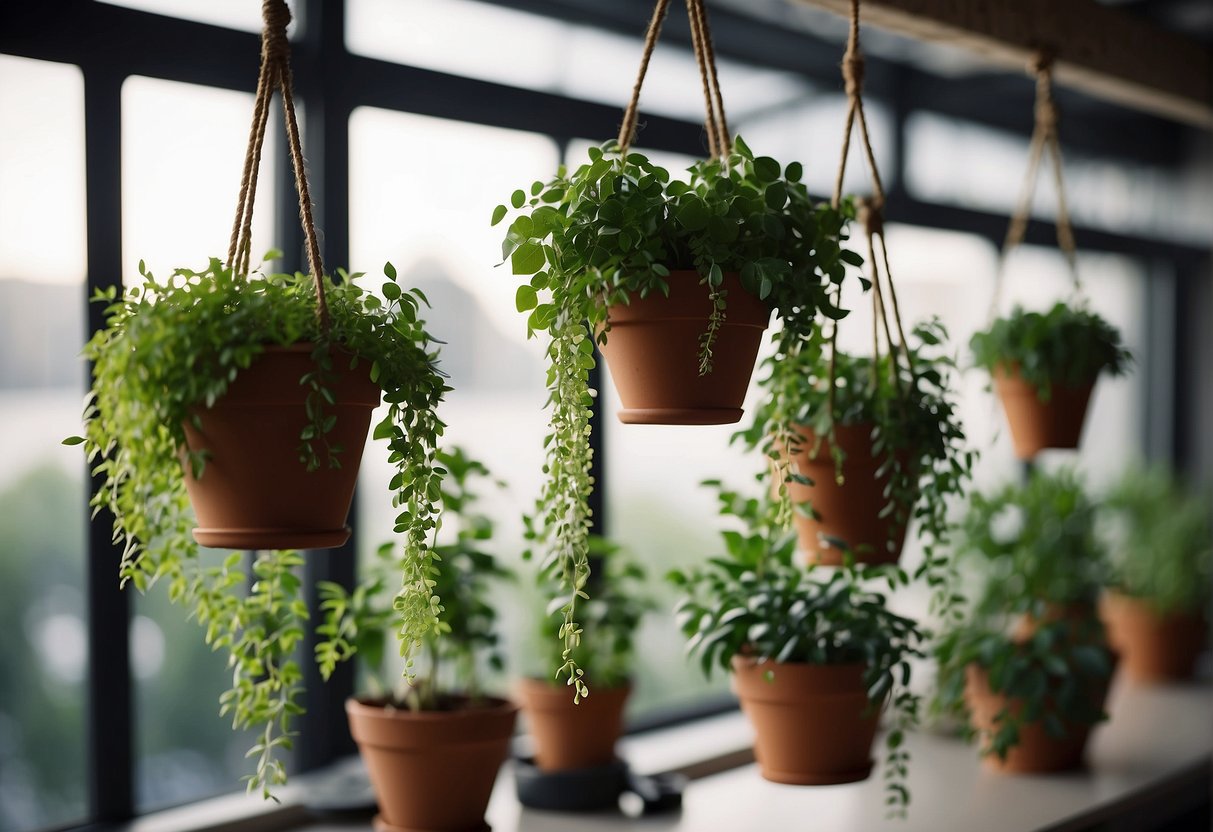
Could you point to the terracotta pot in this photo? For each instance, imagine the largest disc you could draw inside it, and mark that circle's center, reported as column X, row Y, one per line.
column 569, row 736
column 1036, row 425
column 1153, row 646
column 1081, row 616
column 1037, row 751
column 254, row 492
column 849, row 512
column 813, row 723
column 652, row 349
column 432, row 771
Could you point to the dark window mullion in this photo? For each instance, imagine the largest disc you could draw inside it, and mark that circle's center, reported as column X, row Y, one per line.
column 110, row 733
column 320, row 60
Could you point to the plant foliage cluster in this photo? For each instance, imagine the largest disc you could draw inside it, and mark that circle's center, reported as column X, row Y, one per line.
column 615, row 228
column 1162, row 540
column 169, row 349
column 1067, row 345
column 757, row 602
column 1032, row 626
column 465, row 641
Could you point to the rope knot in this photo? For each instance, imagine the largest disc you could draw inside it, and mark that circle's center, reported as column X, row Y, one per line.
column 276, row 16
column 852, row 72
column 870, row 213
column 1042, row 62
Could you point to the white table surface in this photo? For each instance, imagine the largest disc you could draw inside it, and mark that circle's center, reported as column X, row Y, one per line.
column 1154, row 734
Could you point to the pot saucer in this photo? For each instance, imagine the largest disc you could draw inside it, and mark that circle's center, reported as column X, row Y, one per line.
column 381, row 825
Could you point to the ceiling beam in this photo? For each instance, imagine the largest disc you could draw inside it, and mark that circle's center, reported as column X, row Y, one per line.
column 1102, row 51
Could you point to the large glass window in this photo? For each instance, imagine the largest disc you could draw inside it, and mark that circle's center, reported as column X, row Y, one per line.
column 182, row 154
column 43, row 641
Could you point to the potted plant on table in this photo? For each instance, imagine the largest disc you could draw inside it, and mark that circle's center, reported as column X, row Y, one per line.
column 1030, row 664
column 675, row 281
column 815, row 656
column 1156, row 605
column 863, row 448
column 432, row 743
column 583, row 735
column 1044, row 367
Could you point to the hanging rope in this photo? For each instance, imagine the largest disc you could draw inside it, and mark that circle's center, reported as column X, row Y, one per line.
column 1044, row 138
column 275, row 74
column 715, row 124
column 871, row 217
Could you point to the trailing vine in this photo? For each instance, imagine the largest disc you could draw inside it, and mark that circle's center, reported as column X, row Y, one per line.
column 170, row 348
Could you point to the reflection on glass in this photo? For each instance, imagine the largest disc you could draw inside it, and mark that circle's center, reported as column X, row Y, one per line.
column 182, row 153
column 961, row 163
column 234, row 14
column 43, row 640
column 529, row 50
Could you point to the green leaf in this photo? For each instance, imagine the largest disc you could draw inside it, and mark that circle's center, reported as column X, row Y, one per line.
column 766, row 169
column 528, row 258
column 499, row 214
column 526, row 298
column 518, row 198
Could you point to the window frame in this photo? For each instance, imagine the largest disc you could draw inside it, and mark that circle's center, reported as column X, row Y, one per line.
column 111, row 43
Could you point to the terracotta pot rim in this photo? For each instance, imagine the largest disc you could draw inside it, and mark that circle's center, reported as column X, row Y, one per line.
column 751, row 663
column 537, row 681
column 1009, row 372
column 370, row 708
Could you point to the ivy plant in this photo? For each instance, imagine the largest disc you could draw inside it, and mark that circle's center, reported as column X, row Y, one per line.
column 916, row 433
column 1161, row 540
column 757, row 602
column 609, row 619
column 1038, row 552
column 170, row 348
column 465, row 644
column 1067, row 345
column 614, row 228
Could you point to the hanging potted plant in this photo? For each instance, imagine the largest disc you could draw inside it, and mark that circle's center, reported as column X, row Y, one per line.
column 862, row 448
column 815, row 660
column 1030, row 664
column 1157, row 602
column 675, row 281
column 1044, row 367
column 227, row 378
column 433, row 743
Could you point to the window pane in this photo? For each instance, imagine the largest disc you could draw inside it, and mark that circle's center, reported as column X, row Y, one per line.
column 183, row 151
column 961, row 163
column 182, row 155
column 43, row 643
column 529, row 50
column 431, row 220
